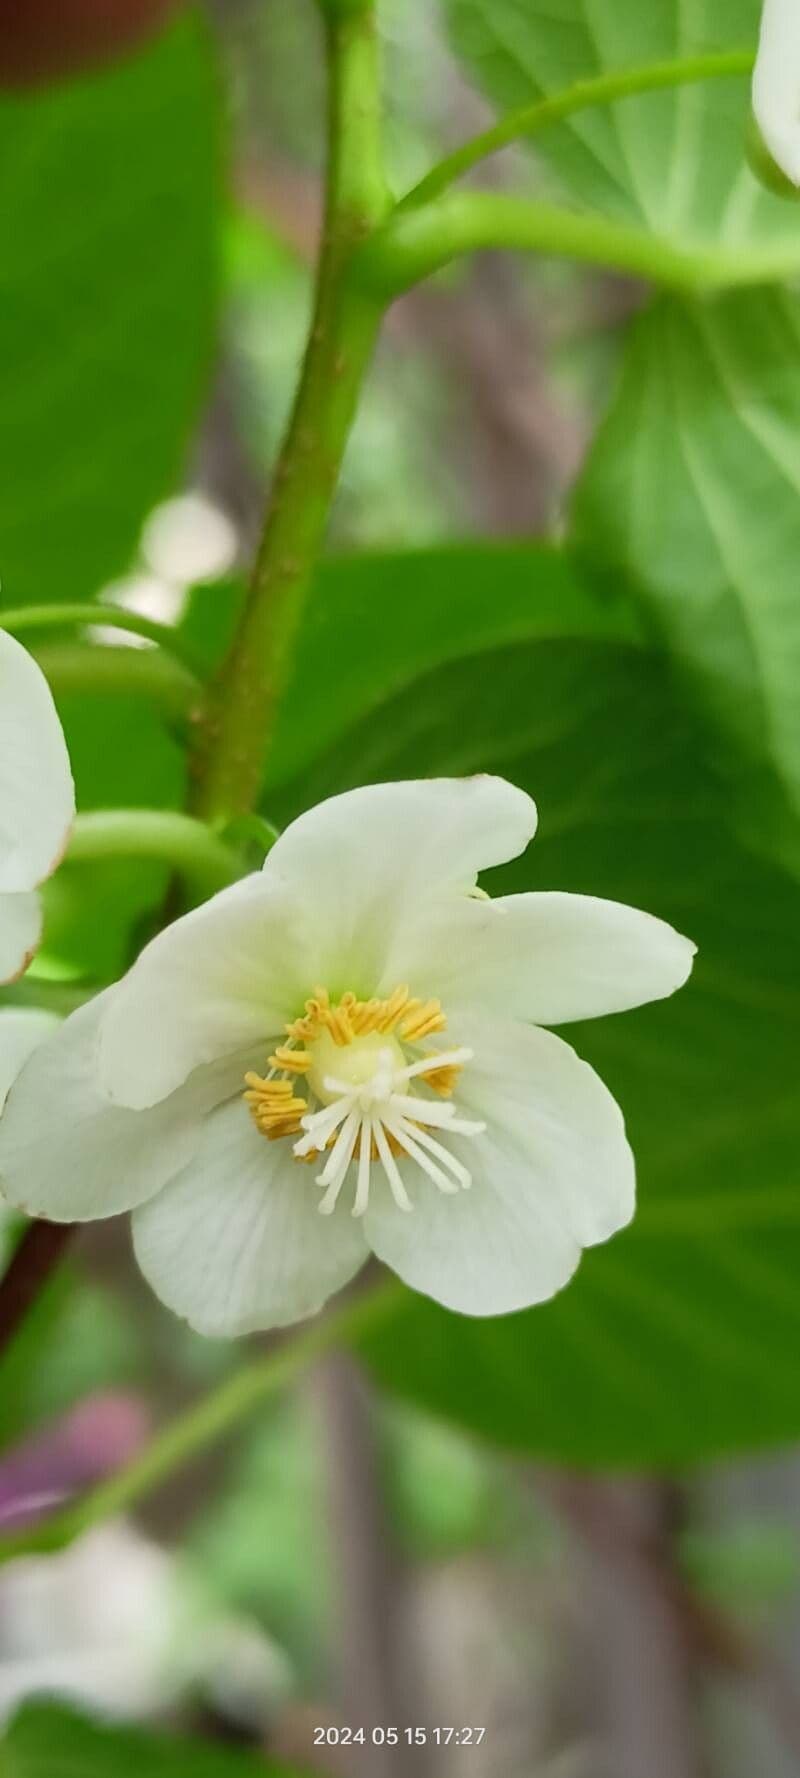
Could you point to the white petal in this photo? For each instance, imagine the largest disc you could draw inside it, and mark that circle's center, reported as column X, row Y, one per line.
column 68, row 1154
column 225, row 976
column 545, row 957
column 20, row 932
column 552, row 1174
column 237, row 1243
column 776, row 84
column 37, row 797
column 22, row 1030
column 361, row 863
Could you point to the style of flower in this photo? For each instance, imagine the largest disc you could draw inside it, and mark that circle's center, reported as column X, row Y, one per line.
column 37, row 801
column 343, row 1054
column 776, row 84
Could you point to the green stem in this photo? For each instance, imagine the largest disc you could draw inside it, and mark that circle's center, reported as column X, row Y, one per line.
column 417, row 242
column 74, row 667
column 203, row 1425
column 242, row 705
column 180, row 841
column 107, row 617
column 601, row 89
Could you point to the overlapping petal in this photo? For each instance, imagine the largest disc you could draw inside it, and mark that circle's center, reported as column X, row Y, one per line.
column 552, row 1174
column 22, row 1030
column 37, row 798
column 227, row 975
column 68, row 1154
column 135, row 1102
column 236, row 1242
column 20, row 933
column 362, row 864
column 543, row 957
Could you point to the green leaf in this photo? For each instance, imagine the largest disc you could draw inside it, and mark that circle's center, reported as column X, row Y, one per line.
column 690, row 493
column 48, row 1741
column 676, row 1340
column 674, row 160
column 691, row 497
column 122, row 756
column 375, row 622
column 108, row 198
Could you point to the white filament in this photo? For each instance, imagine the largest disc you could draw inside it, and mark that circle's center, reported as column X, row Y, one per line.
column 379, row 1109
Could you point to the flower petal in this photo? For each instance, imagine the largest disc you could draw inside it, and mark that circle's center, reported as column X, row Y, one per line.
column 22, row 1030
column 227, row 975
column 362, row 863
column 37, row 797
column 69, row 1155
column 552, row 1174
column 20, row 932
column 776, row 84
column 544, row 957
column 236, row 1242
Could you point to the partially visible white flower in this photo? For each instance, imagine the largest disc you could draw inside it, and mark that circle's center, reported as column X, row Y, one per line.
column 22, row 1029
column 189, row 539
column 342, row 1054
column 115, row 1624
column 37, row 801
column 776, row 84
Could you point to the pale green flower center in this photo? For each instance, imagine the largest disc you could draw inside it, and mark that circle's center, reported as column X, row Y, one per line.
column 370, row 1084
column 358, row 1064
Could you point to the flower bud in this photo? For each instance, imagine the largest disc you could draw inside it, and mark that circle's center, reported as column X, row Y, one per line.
column 776, row 96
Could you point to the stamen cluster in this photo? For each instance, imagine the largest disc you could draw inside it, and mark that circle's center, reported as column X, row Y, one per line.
column 367, row 1110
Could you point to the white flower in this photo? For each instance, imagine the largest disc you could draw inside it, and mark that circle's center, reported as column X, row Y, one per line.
column 37, row 801
column 116, row 1625
column 776, row 84
column 22, row 1029
column 342, row 1054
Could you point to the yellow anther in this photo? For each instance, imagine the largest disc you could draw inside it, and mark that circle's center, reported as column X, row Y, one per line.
column 392, row 1009
column 274, row 1108
column 297, row 1061
column 337, row 1019
column 277, row 1109
column 349, row 1018
column 364, row 1016
column 272, row 1090
column 422, row 1019
column 442, row 1080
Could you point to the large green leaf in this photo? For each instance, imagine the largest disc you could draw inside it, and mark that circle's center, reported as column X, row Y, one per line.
column 691, row 496
column 108, row 201
column 673, row 159
column 691, row 491
column 47, row 1741
column 374, row 622
column 678, row 1338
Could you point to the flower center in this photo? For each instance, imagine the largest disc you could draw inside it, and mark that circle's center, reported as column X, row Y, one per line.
column 359, row 1064
column 375, row 1094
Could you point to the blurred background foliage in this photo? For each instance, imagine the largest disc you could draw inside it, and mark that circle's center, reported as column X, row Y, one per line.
column 564, row 548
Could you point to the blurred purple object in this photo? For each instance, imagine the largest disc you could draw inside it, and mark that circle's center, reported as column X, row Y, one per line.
column 99, row 1436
